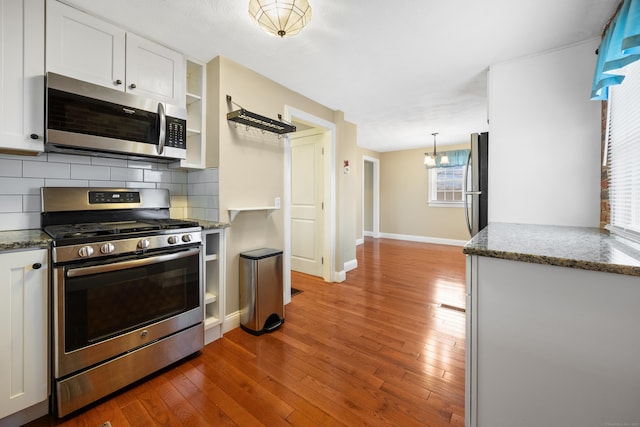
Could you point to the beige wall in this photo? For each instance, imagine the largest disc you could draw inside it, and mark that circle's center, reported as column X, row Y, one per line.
column 404, row 195
column 251, row 164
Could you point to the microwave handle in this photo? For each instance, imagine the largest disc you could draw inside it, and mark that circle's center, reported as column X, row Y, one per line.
column 162, row 132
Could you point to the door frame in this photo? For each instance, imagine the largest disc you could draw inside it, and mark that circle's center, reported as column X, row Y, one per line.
column 376, row 197
column 329, row 185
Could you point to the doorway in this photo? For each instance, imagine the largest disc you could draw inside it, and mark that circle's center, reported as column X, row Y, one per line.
column 307, row 200
column 370, row 197
column 323, row 135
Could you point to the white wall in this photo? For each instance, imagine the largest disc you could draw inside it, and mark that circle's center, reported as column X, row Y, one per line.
column 545, row 139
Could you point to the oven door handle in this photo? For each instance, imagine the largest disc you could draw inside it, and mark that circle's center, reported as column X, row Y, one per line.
column 97, row 269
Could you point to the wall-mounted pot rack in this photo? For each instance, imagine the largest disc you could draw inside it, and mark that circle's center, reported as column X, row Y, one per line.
column 248, row 118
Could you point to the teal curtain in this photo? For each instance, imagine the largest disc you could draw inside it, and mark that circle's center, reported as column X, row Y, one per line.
column 456, row 158
column 619, row 47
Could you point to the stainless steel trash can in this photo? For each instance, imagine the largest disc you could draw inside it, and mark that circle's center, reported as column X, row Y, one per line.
column 261, row 290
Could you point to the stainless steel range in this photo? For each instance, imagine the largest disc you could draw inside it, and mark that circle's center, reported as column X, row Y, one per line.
column 126, row 289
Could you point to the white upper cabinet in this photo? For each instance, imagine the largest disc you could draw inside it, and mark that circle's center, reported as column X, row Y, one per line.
column 21, row 76
column 86, row 48
column 155, row 71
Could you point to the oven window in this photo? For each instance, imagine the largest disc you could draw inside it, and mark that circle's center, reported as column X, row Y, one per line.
column 79, row 114
column 101, row 306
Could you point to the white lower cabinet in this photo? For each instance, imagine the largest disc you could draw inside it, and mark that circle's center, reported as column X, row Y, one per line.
column 551, row 346
column 214, row 283
column 23, row 331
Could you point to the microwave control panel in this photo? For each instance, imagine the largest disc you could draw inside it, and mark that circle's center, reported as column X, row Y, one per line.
column 176, row 135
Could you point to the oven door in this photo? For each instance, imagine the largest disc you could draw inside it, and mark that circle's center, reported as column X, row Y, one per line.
column 104, row 310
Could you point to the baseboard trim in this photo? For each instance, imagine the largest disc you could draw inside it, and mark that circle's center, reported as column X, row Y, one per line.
column 423, row 239
column 231, row 321
column 360, row 241
column 340, row 276
column 350, row 265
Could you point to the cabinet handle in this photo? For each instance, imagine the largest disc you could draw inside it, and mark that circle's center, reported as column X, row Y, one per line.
column 132, row 86
column 118, row 82
column 36, row 266
column 34, row 136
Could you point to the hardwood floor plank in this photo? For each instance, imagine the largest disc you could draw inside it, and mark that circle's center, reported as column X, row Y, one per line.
column 211, row 392
column 246, row 391
column 376, row 349
column 137, row 415
column 198, row 398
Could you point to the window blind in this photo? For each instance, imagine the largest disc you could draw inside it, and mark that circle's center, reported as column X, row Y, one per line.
column 624, row 154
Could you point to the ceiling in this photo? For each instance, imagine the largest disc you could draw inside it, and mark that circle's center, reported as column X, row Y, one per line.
column 399, row 70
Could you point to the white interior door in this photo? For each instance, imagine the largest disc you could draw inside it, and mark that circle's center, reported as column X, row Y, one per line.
column 307, row 204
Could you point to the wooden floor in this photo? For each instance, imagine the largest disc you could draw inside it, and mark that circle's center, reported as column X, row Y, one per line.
column 376, row 349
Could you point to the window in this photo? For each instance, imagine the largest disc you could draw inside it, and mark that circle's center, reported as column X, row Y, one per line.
column 623, row 140
column 446, row 186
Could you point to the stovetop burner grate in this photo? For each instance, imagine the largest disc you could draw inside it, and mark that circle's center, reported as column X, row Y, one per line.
column 66, row 231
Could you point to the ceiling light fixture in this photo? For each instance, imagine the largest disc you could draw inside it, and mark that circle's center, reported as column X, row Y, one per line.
column 280, row 17
column 430, row 158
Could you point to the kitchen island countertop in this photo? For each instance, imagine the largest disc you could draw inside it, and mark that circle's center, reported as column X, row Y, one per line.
column 24, row 239
column 575, row 247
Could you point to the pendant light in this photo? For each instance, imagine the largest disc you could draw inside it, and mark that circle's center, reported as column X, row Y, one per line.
column 280, row 17
column 431, row 159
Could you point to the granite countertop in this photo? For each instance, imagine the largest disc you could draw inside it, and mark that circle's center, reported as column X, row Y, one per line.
column 24, row 239
column 575, row 247
column 211, row 225
column 36, row 238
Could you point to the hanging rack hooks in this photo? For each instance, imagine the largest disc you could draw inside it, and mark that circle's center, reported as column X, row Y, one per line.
column 248, row 118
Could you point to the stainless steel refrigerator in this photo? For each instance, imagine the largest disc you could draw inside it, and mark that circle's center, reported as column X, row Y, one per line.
column 476, row 181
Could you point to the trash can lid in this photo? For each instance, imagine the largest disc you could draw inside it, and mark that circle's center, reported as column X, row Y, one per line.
column 260, row 253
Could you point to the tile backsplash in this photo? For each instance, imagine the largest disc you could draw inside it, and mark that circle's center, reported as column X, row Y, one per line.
column 194, row 194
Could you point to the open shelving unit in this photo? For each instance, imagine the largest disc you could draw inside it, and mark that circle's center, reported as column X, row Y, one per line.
column 214, row 283
column 196, row 115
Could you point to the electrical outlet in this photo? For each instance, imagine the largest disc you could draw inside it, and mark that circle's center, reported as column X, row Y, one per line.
column 277, row 202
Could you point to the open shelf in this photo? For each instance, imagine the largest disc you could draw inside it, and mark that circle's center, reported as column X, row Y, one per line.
column 192, row 97
column 209, row 298
column 233, row 212
column 261, row 122
column 258, row 121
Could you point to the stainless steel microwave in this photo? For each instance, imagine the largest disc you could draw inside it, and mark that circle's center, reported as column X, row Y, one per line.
column 82, row 116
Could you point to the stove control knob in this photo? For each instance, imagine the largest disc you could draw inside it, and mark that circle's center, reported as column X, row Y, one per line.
column 107, row 248
column 143, row 244
column 85, row 251
column 187, row 238
column 173, row 240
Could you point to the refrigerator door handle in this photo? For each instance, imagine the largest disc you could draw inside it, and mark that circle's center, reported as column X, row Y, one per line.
column 466, row 194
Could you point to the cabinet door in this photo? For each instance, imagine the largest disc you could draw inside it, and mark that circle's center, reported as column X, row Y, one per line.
column 21, row 75
column 23, row 330
column 84, row 47
column 155, row 71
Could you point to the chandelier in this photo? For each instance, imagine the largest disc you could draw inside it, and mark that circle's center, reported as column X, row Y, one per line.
column 280, row 17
